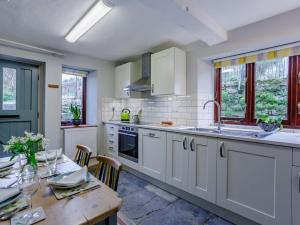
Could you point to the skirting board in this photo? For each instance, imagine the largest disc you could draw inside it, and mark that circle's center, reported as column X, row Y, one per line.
column 226, row 214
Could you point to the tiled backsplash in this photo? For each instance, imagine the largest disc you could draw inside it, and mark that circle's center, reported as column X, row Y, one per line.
column 182, row 110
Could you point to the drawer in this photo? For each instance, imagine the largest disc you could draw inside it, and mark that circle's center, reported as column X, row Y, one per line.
column 111, row 128
column 111, row 142
column 151, row 133
column 296, row 157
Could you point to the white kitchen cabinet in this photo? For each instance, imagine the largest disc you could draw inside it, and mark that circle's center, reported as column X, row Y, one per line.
column 111, row 139
column 85, row 136
column 254, row 180
column 168, row 72
column 202, row 167
column 191, row 164
column 296, row 195
column 152, row 153
column 125, row 74
column 177, row 160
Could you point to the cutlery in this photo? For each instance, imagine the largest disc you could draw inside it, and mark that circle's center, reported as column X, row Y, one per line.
column 83, row 192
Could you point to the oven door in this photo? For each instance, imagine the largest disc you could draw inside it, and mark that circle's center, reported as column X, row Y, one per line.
column 128, row 145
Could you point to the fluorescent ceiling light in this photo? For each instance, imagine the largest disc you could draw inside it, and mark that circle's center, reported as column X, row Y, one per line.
column 98, row 11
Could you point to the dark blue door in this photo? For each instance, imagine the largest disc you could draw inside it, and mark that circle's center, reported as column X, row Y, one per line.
column 18, row 100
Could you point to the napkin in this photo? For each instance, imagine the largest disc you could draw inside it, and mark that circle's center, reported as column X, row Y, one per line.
column 8, row 193
column 71, row 179
column 7, row 182
column 40, row 156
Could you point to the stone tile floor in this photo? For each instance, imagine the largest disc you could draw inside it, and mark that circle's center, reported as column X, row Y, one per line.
column 146, row 204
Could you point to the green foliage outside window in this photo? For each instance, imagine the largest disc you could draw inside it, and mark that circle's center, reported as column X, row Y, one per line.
column 271, row 89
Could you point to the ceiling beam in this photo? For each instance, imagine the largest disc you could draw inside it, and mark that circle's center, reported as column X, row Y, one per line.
column 189, row 15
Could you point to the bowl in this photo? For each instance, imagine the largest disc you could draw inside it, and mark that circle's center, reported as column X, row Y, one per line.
column 269, row 127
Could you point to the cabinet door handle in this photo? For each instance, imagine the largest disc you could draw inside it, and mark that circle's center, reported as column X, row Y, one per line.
column 151, row 135
column 152, row 88
column 184, row 143
column 192, row 144
column 221, row 149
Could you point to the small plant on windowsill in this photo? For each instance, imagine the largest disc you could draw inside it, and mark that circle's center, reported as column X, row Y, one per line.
column 76, row 113
column 269, row 124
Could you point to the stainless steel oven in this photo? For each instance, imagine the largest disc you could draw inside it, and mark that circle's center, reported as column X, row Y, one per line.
column 128, row 143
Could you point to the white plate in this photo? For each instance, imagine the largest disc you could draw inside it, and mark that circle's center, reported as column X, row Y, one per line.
column 5, row 173
column 6, row 164
column 68, row 186
column 40, row 156
column 69, row 180
column 10, row 200
column 6, row 168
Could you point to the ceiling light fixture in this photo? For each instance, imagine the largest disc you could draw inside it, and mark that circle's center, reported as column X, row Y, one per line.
column 98, row 11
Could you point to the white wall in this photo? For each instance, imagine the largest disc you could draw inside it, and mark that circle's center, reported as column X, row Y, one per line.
column 53, row 69
column 278, row 30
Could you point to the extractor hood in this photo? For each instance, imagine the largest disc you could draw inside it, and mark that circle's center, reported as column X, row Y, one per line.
column 143, row 84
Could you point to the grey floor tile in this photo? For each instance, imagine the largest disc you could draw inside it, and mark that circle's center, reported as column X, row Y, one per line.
column 146, row 205
column 218, row 221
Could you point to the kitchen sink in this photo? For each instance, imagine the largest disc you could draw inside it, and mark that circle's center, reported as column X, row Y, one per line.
column 231, row 132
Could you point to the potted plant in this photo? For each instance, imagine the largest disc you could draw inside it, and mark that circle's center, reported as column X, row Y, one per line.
column 268, row 123
column 28, row 145
column 76, row 113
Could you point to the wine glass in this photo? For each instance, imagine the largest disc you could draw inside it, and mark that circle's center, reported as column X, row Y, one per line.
column 29, row 184
column 17, row 168
column 51, row 161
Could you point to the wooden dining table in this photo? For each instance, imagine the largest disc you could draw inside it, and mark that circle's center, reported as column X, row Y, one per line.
column 95, row 206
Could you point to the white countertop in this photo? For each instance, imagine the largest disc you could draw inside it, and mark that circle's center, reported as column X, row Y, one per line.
column 279, row 138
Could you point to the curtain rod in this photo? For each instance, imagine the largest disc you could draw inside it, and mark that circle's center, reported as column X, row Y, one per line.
column 32, row 48
column 291, row 44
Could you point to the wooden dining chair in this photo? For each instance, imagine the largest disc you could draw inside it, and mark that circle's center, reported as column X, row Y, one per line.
column 108, row 171
column 83, row 155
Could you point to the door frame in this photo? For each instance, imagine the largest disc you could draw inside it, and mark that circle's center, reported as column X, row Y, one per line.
column 40, row 66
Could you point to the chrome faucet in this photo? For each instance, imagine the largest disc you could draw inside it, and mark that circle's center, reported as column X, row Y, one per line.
column 219, row 112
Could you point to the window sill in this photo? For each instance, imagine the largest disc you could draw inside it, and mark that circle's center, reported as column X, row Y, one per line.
column 286, row 129
column 79, row 126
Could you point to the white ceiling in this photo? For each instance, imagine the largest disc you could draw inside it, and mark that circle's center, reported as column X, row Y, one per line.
column 133, row 26
column 232, row 14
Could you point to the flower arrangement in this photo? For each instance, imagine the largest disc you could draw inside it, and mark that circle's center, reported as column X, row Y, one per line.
column 28, row 145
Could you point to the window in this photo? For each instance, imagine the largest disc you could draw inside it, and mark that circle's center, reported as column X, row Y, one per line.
column 9, row 89
column 233, row 80
column 73, row 92
column 250, row 90
column 271, row 88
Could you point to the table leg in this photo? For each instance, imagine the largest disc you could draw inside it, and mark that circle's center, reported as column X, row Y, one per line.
column 112, row 220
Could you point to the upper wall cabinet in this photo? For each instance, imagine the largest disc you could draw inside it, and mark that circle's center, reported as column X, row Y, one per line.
column 168, row 72
column 124, row 75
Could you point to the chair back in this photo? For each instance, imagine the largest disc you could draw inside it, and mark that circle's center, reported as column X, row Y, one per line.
column 108, row 171
column 83, row 155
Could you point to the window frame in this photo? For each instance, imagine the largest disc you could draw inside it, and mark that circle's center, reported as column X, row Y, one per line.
column 83, row 111
column 293, row 118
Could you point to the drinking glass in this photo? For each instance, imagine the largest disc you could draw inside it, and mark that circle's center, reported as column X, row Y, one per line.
column 29, row 184
column 51, row 161
column 18, row 167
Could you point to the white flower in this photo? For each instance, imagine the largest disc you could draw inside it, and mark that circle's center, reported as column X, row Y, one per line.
column 6, row 148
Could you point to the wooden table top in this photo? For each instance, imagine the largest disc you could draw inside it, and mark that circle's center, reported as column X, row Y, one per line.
column 85, row 208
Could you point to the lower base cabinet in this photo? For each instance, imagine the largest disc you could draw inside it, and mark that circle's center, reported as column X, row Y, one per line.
column 254, row 180
column 296, row 195
column 152, row 153
column 191, row 165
